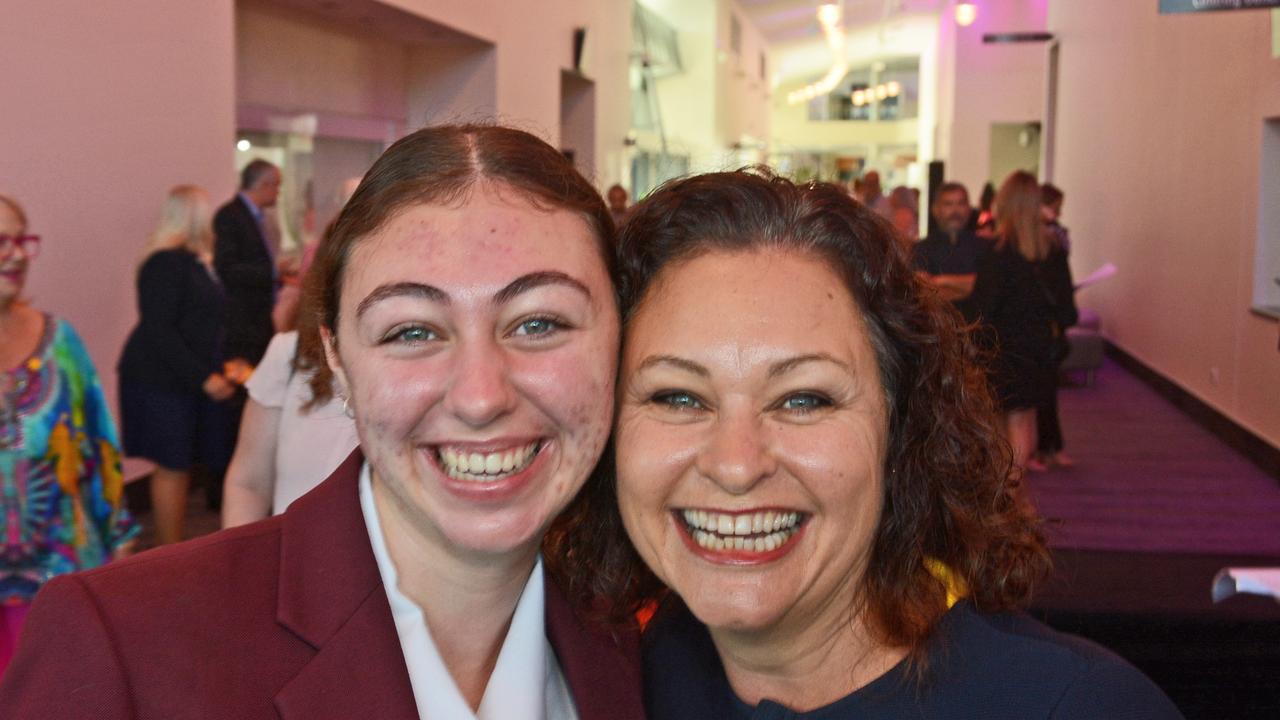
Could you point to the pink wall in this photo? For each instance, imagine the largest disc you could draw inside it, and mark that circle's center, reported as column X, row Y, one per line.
column 292, row 61
column 1159, row 142
column 107, row 105
column 987, row 84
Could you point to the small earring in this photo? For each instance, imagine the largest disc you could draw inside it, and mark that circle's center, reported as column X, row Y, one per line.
column 346, row 409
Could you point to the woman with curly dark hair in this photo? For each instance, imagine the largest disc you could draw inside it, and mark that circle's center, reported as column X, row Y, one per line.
column 809, row 458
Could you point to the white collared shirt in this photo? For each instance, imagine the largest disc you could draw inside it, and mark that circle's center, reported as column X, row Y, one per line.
column 526, row 683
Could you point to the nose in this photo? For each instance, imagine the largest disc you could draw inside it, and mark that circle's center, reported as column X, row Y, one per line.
column 737, row 456
column 481, row 389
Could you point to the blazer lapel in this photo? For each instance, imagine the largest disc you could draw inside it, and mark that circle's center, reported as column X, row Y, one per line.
column 602, row 668
column 331, row 597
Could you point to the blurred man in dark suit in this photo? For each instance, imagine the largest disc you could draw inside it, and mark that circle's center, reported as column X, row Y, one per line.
column 245, row 262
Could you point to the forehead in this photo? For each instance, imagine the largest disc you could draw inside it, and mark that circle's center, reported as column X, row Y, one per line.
column 8, row 218
column 755, row 305
column 484, row 241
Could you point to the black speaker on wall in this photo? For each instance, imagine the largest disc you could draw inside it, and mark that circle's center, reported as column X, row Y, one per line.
column 937, row 176
column 579, row 40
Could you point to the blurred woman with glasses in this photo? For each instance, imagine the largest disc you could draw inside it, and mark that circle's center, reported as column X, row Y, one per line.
column 61, row 492
column 172, row 386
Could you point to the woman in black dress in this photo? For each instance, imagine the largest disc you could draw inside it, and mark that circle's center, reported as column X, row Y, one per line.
column 1014, row 296
column 171, row 381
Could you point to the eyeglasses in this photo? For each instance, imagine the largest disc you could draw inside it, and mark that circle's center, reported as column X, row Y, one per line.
column 30, row 245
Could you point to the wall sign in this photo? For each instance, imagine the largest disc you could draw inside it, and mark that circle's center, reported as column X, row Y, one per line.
column 1189, row 6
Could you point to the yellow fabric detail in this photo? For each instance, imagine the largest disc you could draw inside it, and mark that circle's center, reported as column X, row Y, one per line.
column 64, row 451
column 954, row 584
column 112, row 477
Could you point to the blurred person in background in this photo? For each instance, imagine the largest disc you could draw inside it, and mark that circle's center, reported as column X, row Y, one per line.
column 62, row 503
column 618, row 203
column 1061, row 287
column 173, row 393
column 984, row 220
column 293, row 434
column 1014, row 297
column 872, row 194
column 948, row 257
column 245, row 261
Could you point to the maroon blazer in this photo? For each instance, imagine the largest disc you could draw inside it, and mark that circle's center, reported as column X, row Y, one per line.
column 285, row 618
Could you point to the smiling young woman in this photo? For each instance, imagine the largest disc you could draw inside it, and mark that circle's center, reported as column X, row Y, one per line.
column 468, row 320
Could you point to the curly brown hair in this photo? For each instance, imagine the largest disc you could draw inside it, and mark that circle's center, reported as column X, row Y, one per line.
column 949, row 493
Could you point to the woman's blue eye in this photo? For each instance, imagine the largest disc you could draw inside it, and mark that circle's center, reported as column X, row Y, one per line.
column 678, row 400
column 415, row 334
column 537, row 326
column 805, row 402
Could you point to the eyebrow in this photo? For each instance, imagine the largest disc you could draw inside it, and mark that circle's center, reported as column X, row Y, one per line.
column 783, row 367
column 525, row 283
column 522, row 284
column 401, row 289
column 678, row 362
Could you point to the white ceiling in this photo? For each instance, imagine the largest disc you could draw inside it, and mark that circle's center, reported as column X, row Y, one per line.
column 787, row 22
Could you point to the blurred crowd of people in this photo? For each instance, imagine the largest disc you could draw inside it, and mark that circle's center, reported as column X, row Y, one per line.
column 1003, row 266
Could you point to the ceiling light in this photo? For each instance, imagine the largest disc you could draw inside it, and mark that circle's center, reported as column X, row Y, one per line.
column 966, row 13
column 829, row 15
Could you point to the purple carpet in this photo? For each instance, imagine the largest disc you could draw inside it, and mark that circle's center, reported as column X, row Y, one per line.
column 1149, row 479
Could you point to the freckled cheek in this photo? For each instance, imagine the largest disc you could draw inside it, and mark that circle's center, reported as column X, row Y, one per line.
column 392, row 401
column 577, row 394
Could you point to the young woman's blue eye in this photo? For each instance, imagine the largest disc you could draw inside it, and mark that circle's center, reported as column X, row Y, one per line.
column 678, row 400
column 413, row 334
column 805, row 402
column 537, row 326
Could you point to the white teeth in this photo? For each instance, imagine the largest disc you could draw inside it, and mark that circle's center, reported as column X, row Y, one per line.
column 487, row 467
column 742, row 524
column 758, row 532
column 724, row 525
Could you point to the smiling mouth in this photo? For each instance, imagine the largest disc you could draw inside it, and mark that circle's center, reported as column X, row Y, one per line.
column 462, row 464
column 748, row 532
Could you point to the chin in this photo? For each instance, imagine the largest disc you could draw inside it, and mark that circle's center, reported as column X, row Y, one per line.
column 729, row 611
column 495, row 536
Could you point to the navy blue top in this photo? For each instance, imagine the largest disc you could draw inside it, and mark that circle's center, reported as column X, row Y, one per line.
column 937, row 256
column 980, row 665
column 178, row 341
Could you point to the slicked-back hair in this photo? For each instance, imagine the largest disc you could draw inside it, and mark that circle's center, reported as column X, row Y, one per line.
column 948, row 474
column 253, row 172
column 949, row 187
column 438, row 166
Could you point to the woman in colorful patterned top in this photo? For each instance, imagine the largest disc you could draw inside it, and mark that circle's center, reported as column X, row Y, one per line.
column 61, row 493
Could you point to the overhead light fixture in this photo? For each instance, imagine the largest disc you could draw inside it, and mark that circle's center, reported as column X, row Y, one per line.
column 966, row 13
column 243, row 145
column 829, row 16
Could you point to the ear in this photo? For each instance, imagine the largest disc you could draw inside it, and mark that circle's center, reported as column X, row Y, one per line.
column 334, row 361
